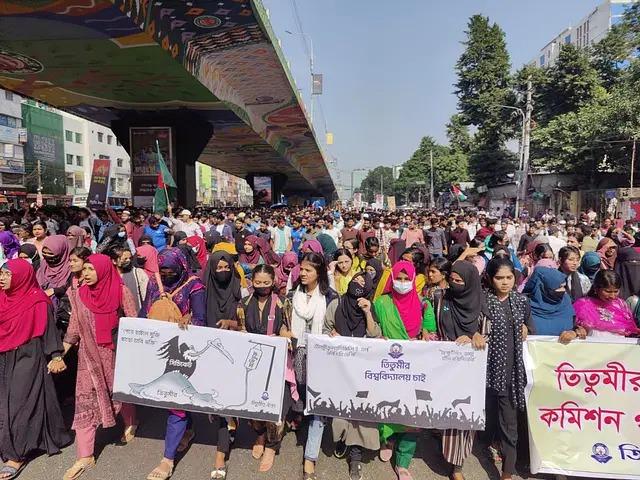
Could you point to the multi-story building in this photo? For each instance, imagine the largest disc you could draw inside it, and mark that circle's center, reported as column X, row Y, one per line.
column 12, row 139
column 589, row 30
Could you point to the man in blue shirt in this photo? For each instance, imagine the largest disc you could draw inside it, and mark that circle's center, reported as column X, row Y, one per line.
column 297, row 234
column 158, row 233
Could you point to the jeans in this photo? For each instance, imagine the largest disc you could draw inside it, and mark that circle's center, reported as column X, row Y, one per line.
column 314, row 438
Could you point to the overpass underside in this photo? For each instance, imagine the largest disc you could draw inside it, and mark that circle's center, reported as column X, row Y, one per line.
column 208, row 69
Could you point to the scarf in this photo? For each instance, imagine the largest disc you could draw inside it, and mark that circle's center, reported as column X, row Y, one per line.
column 259, row 324
column 104, row 298
column 252, row 258
column 589, row 265
column 377, row 266
column 462, row 304
column 268, row 255
column 31, row 251
column 551, row 316
column 606, row 263
column 23, row 307
column 350, row 320
column 222, row 297
column 396, row 247
column 200, row 247
column 575, row 290
column 288, row 262
column 613, row 316
column 408, row 305
column 150, row 255
column 628, row 268
column 498, row 334
column 57, row 274
column 307, row 315
column 10, row 245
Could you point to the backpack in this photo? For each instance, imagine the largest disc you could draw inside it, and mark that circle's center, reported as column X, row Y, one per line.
column 166, row 310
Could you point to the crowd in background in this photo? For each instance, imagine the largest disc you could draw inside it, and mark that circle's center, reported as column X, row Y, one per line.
column 69, row 274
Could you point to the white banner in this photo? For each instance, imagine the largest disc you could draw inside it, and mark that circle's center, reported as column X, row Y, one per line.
column 421, row 384
column 200, row 369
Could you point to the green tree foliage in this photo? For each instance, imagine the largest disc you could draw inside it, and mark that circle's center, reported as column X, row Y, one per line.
column 460, row 140
column 610, row 54
column 371, row 183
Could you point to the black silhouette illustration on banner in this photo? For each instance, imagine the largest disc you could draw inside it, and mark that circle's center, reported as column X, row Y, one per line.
column 181, row 365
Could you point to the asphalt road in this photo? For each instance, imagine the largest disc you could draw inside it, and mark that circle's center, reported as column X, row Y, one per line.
column 137, row 459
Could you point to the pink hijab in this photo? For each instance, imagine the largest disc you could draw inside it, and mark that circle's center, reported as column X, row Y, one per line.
column 408, row 305
column 308, row 246
column 614, row 316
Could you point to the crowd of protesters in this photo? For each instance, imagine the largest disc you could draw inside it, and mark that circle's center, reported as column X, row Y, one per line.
column 69, row 274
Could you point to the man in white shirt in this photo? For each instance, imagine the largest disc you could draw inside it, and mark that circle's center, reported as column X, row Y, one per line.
column 555, row 242
column 281, row 237
column 184, row 223
column 332, row 231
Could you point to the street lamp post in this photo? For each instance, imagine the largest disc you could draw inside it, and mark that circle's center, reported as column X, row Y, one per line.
column 521, row 153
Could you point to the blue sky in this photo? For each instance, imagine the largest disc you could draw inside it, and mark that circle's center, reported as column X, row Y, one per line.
column 389, row 65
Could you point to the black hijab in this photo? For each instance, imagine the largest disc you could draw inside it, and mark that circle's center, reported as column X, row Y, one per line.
column 187, row 251
column 31, row 250
column 377, row 266
column 223, row 294
column 350, row 320
column 628, row 267
column 463, row 302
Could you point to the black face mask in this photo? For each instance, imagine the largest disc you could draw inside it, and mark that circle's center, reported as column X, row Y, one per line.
column 262, row 291
column 140, row 261
column 223, row 277
column 555, row 296
column 53, row 260
column 127, row 267
column 355, row 290
column 457, row 289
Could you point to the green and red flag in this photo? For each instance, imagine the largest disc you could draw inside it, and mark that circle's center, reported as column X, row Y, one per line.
column 165, row 181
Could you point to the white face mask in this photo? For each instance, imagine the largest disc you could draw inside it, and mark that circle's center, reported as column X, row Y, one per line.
column 402, row 286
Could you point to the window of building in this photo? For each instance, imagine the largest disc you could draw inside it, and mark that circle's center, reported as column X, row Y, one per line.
column 12, row 122
column 78, row 137
column 68, row 180
column 18, row 151
column 79, row 160
column 68, row 135
column 103, row 157
column 120, row 162
column 541, row 60
column 109, row 139
column 8, row 95
column 13, row 179
column 118, row 143
column 114, row 184
column 69, row 159
column 100, row 137
column 79, row 182
column 8, row 150
column 567, row 39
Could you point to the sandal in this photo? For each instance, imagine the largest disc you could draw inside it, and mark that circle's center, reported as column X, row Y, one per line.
column 79, row 468
column 309, row 476
column 267, row 460
column 258, row 448
column 403, row 473
column 158, row 474
column 186, row 440
column 129, row 434
column 219, row 472
column 13, row 472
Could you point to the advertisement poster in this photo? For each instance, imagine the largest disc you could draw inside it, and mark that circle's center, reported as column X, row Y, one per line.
column 45, row 147
column 391, row 203
column 144, row 161
column 582, row 403
column 99, row 187
column 173, row 369
column 262, row 191
column 396, row 381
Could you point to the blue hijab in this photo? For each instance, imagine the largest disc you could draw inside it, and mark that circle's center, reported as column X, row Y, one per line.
column 550, row 315
column 590, row 265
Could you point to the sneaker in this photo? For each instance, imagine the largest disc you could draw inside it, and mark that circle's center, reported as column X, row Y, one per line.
column 355, row 471
column 340, row 450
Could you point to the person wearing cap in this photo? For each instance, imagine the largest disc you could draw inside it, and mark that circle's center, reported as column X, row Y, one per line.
column 184, row 223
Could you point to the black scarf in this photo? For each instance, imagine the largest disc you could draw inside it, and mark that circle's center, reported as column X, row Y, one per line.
column 462, row 305
column 377, row 266
column 350, row 320
column 576, row 286
column 628, row 267
column 499, row 325
column 222, row 298
column 254, row 322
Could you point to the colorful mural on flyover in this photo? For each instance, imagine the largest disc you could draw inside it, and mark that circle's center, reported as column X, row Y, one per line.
column 100, row 58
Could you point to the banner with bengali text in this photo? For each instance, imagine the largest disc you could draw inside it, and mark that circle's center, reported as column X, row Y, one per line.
column 583, row 408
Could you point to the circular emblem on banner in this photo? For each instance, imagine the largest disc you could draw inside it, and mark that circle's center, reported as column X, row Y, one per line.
column 13, row 62
column 207, row 21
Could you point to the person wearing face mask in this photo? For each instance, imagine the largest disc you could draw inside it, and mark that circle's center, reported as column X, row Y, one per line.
column 351, row 316
column 199, row 247
column 133, row 277
column 551, row 308
column 402, row 315
column 54, row 276
column 29, row 252
column 188, row 293
column 263, row 313
column 180, row 242
column 458, row 315
column 374, row 269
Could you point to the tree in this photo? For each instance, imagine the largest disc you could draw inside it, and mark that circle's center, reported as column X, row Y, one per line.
column 371, row 183
column 460, row 140
column 610, row 54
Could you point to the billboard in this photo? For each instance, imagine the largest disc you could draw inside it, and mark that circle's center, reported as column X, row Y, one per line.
column 98, row 189
column 44, row 150
column 144, row 161
column 262, row 191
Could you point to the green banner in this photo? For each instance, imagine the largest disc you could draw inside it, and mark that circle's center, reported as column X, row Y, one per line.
column 44, row 150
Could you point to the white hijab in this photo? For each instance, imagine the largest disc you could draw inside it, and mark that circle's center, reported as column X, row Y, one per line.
column 307, row 311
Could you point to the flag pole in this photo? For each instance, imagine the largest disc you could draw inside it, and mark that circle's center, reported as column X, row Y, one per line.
column 164, row 184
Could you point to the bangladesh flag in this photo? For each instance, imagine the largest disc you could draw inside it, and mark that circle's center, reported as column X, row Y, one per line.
column 165, row 181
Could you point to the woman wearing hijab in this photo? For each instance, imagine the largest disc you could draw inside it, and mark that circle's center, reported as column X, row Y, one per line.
column 180, row 242
column 551, row 309
column 263, row 313
column 76, row 236
column 402, row 316
column 287, row 264
column 251, row 257
column 589, row 265
column 458, row 314
column 29, row 252
column 10, row 245
column 628, row 268
column 608, row 251
column 351, row 316
column 96, row 308
column 30, row 349
column 374, row 269
column 307, row 247
column 578, row 284
column 268, row 255
column 188, row 292
column 199, row 246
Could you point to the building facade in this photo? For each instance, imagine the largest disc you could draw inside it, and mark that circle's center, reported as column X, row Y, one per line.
column 589, row 30
column 12, row 140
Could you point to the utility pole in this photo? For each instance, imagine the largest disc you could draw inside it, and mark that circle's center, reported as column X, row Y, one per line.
column 432, row 203
column 382, row 189
column 525, row 145
column 633, row 163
